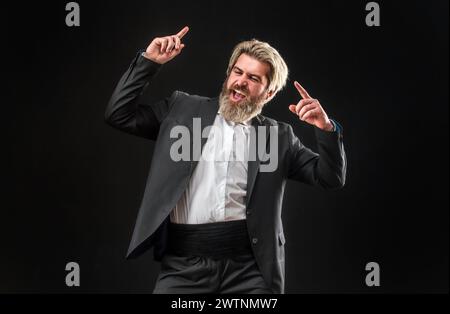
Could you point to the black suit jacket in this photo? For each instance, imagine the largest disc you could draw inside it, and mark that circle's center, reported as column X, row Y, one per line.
column 168, row 179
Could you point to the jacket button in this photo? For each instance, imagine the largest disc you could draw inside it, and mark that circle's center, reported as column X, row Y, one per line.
column 248, row 213
column 255, row 240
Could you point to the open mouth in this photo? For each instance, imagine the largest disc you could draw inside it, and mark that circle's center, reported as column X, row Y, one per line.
column 236, row 95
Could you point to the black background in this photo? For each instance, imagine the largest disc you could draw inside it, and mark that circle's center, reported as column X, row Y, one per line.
column 72, row 184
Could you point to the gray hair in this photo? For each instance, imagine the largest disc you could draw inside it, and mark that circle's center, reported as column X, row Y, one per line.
column 263, row 52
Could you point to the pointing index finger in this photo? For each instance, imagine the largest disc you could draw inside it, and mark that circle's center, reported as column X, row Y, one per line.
column 301, row 90
column 182, row 32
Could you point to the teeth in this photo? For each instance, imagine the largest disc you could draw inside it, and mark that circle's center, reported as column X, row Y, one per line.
column 239, row 93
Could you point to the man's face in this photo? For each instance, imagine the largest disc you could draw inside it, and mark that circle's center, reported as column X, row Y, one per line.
column 247, row 79
column 245, row 91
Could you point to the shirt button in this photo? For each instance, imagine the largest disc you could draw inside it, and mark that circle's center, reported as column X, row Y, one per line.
column 255, row 240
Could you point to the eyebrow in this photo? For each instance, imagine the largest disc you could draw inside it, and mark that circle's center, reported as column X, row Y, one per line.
column 254, row 75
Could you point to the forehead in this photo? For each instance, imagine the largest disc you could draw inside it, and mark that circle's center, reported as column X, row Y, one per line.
column 252, row 65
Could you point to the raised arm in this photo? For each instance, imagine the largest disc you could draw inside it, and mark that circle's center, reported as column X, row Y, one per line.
column 328, row 167
column 123, row 111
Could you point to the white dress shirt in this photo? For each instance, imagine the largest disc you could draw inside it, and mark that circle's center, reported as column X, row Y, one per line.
column 218, row 187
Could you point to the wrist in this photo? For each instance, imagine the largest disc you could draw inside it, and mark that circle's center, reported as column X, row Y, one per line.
column 146, row 56
column 329, row 126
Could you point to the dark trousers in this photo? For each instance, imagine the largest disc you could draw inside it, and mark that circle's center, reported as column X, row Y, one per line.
column 210, row 258
column 203, row 275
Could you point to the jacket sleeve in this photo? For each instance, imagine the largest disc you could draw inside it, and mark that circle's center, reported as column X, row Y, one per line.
column 327, row 168
column 125, row 113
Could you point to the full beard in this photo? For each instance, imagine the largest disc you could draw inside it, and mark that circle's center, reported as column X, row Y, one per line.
column 240, row 111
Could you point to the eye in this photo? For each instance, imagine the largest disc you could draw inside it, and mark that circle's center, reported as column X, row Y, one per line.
column 254, row 79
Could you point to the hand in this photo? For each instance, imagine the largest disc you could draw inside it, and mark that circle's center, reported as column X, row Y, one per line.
column 309, row 110
column 164, row 49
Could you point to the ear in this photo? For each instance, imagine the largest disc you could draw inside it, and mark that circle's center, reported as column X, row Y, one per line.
column 270, row 95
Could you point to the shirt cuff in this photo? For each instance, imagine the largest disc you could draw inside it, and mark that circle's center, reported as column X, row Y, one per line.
column 336, row 126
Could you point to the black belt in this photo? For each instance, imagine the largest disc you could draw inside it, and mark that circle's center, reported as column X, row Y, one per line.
column 217, row 239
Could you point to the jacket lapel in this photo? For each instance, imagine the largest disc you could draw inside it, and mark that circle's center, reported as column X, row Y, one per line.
column 259, row 123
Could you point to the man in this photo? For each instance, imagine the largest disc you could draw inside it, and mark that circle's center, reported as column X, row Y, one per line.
column 215, row 223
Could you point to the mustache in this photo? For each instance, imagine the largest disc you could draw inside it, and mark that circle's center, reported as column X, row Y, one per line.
column 242, row 90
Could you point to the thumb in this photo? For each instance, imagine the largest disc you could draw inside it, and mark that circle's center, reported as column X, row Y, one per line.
column 175, row 52
column 180, row 48
column 178, row 51
column 292, row 108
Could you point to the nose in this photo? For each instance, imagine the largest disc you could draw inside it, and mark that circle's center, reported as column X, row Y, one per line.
column 241, row 81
